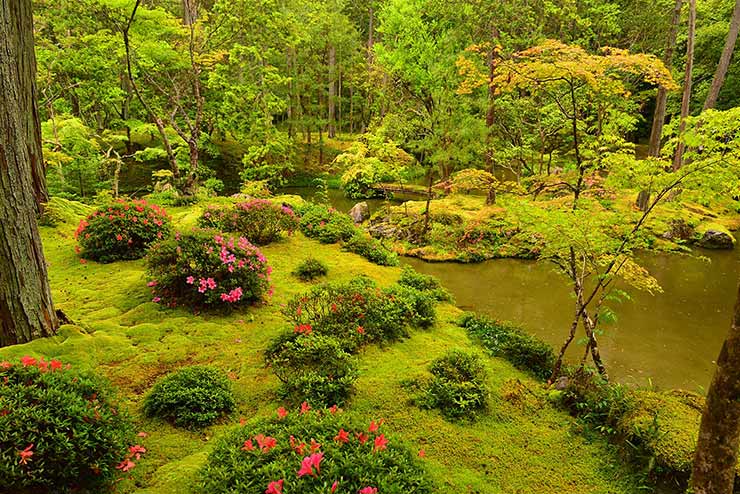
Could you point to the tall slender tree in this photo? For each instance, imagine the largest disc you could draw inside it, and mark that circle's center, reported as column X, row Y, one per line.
column 719, row 434
column 724, row 60
column 687, row 82
column 26, row 308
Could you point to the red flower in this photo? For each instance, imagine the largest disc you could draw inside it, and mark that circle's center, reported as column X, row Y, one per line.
column 315, row 446
column 5, row 365
column 375, row 426
column 334, row 486
column 342, row 436
column 298, row 448
column 380, row 443
column 334, row 409
column 55, row 365
column 25, row 454
column 275, row 487
column 368, row 490
column 303, row 329
column 282, row 412
column 28, row 361
column 360, row 330
column 305, row 407
column 126, row 465
column 422, row 453
column 362, row 437
column 306, row 467
column 265, row 443
column 136, row 451
column 248, row 446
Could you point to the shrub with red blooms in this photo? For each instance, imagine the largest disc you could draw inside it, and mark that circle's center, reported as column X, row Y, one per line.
column 203, row 268
column 260, row 220
column 60, row 429
column 122, row 230
column 312, row 452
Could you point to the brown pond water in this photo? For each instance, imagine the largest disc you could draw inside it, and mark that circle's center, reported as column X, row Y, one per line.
column 669, row 339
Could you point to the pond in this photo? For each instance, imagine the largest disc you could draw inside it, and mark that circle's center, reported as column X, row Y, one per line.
column 670, row 339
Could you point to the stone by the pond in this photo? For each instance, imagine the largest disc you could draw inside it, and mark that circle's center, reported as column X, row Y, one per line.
column 360, row 212
column 716, row 239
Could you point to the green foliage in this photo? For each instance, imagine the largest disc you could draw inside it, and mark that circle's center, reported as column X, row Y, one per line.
column 191, row 397
column 369, row 161
column 246, row 461
column 121, row 231
column 371, row 249
column 310, row 269
column 506, row 340
column 202, row 268
column 261, row 221
column 457, row 387
column 424, row 283
column 60, row 429
column 326, row 224
column 313, row 368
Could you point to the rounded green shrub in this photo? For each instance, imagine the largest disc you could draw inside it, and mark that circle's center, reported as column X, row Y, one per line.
column 458, row 385
column 261, row 221
column 326, row 224
column 192, row 397
column 309, row 453
column 424, row 283
column 205, row 269
column 371, row 249
column 60, row 429
column 122, row 230
column 312, row 367
column 310, row 269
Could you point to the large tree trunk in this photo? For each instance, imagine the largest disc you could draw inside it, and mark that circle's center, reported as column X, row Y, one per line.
column 719, row 434
column 332, row 91
column 656, row 132
column 26, row 308
column 724, row 60
column 686, row 99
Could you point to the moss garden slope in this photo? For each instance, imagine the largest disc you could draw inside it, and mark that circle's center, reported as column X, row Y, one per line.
column 517, row 445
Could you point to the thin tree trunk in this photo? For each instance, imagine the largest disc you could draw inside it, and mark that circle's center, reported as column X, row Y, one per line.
column 719, row 433
column 724, row 60
column 189, row 12
column 686, row 99
column 490, row 112
column 656, row 132
column 331, row 131
column 26, row 307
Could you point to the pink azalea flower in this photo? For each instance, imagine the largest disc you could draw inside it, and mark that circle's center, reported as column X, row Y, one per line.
column 189, row 280
column 27, row 361
column 126, row 465
column 380, row 443
column 368, row 490
column 306, row 467
column 282, row 412
column 342, row 436
column 305, row 407
column 136, row 451
column 334, row 486
column 25, row 454
column 275, row 487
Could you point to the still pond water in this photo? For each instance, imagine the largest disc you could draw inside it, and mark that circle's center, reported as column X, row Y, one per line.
column 670, row 339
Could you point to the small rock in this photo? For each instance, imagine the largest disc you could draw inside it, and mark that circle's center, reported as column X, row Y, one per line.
column 562, row 383
column 716, row 239
column 679, row 230
column 360, row 212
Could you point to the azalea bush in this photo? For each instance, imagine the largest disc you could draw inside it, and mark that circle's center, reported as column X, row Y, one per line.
column 261, row 221
column 504, row 339
column 312, row 367
column 192, row 397
column 359, row 312
column 312, row 452
column 310, row 269
column 424, row 283
column 326, row 224
column 122, row 230
column 203, row 268
column 60, row 429
column 371, row 249
column 457, row 387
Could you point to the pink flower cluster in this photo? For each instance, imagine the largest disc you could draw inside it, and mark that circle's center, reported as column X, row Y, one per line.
column 41, row 364
column 134, row 452
column 233, row 296
column 206, row 284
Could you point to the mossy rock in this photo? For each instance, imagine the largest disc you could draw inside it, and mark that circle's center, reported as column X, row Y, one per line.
column 714, row 236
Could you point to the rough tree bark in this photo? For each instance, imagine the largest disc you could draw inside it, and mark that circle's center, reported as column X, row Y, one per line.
column 492, row 61
column 26, row 308
column 719, row 434
column 656, row 133
column 331, row 132
column 686, row 99
column 724, row 60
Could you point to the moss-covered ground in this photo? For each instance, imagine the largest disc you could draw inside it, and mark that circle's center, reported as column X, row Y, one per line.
column 524, row 445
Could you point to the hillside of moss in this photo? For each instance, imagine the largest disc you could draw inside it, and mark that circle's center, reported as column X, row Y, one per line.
column 524, row 444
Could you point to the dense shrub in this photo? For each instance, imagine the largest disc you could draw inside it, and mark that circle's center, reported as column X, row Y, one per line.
column 371, row 249
column 261, row 221
column 205, row 269
column 308, row 453
column 191, row 397
column 326, row 224
column 506, row 340
column 359, row 312
column 424, row 283
column 457, row 387
column 312, row 367
column 122, row 230
column 310, row 269
column 60, row 430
